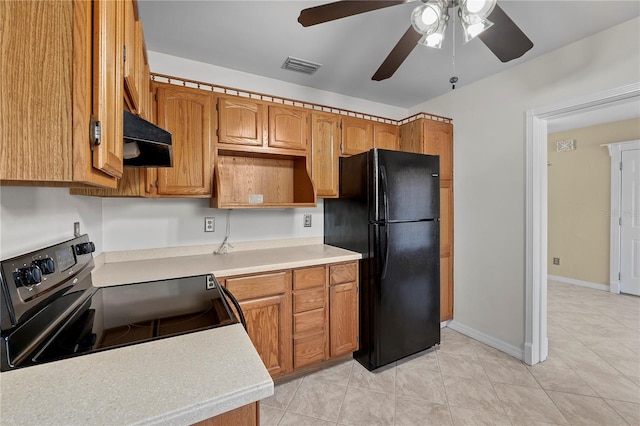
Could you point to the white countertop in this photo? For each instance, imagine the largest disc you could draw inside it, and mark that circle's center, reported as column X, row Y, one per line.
column 221, row 265
column 177, row 380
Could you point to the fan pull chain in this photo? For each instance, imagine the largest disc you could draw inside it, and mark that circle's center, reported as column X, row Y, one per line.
column 453, row 80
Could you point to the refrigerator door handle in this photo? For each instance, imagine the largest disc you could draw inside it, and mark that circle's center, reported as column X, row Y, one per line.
column 385, row 203
column 385, row 200
column 386, row 250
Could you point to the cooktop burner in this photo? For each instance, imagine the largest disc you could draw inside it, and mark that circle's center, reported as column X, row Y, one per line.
column 63, row 315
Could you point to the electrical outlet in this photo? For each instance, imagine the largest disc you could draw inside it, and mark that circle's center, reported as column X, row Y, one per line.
column 209, row 224
column 307, row 221
column 556, row 260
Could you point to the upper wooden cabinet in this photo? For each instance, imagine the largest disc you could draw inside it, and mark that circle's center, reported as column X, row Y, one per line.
column 385, row 136
column 438, row 140
column 430, row 137
column 241, row 121
column 325, row 151
column 357, row 135
column 288, row 127
column 129, row 56
column 186, row 113
column 107, row 69
column 261, row 155
column 55, row 76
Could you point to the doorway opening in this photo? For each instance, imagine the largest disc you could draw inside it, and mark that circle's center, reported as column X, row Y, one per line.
column 536, row 345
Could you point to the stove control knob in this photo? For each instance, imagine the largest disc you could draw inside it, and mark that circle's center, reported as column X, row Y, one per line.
column 46, row 265
column 85, row 248
column 28, row 276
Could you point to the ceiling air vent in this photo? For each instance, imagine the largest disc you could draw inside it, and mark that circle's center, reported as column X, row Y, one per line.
column 300, row 65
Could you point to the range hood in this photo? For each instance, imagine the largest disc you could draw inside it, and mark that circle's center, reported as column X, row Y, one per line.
column 145, row 144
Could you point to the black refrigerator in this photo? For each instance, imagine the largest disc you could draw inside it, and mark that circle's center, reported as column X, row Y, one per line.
column 388, row 209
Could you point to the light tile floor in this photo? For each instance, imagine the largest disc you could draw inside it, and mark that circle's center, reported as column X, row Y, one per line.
column 592, row 377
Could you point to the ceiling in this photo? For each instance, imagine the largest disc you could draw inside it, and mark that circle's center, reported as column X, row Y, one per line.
column 257, row 36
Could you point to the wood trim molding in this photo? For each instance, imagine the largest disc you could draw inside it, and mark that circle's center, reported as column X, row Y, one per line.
column 179, row 81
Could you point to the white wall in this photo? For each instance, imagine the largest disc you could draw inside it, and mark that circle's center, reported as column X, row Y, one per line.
column 31, row 218
column 149, row 223
column 489, row 161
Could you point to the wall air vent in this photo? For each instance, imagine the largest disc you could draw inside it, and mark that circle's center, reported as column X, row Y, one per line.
column 300, row 65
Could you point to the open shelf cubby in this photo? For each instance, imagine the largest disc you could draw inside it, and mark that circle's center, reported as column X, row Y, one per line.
column 250, row 180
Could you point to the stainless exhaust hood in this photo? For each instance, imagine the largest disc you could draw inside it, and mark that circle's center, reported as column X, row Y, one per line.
column 145, row 144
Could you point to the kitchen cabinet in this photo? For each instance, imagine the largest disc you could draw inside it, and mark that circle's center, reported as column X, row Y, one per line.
column 357, row 135
column 187, row 114
column 436, row 138
column 385, row 136
column 261, row 155
column 241, row 121
column 247, row 415
column 325, row 146
column 265, row 300
column 300, row 317
column 309, row 316
column 55, row 77
column 343, row 308
column 131, row 39
column 288, row 127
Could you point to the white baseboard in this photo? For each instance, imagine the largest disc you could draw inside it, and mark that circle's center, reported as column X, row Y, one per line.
column 578, row 282
column 498, row 344
column 614, row 287
column 444, row 324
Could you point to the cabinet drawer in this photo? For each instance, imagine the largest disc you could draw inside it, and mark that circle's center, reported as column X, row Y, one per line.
column 308, row 350
column 308, row 277
column 307, row 300
column 308, row 322
column 259, row 285
column 344, row 273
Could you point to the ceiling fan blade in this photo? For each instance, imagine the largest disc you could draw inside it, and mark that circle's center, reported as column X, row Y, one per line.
column 397, row 55
column 504, row 38
column 341, row 9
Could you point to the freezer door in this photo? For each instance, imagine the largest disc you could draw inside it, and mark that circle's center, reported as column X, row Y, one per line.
column 407, row 299
column 406, row 186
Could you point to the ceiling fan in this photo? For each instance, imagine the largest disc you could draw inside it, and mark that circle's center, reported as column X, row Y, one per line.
column 482, row 18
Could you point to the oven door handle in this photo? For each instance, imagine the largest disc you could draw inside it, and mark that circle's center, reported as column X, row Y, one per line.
column 236, row 304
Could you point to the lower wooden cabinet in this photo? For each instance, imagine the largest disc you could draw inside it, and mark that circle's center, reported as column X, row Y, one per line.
column 300, row 317
column 265, row 300
column 247, row 415
column 343, row 309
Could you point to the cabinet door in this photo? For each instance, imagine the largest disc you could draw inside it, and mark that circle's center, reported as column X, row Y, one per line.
column 325, row 140
column 343, row 318
column 107, row 79
column 186, row 113
column 357, row 135
column 385, row 136
column 438, row 140
column 267, row 325
column 410, row 137
column 288, row 127
column 132, row 98
column 241, row 121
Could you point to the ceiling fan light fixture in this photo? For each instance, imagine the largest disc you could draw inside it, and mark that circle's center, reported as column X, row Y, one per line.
column 435, row 39
column 426, row 17
column 472, row 30
column 473, row 11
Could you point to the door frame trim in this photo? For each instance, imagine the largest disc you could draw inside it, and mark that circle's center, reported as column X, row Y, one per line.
column 615, row 211
column 536, row 344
